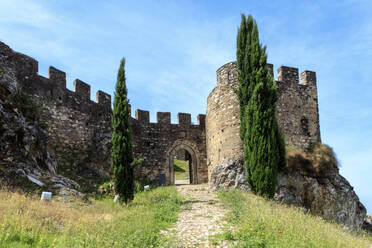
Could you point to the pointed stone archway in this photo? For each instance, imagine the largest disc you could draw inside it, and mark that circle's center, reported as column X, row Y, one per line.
column 191, row 148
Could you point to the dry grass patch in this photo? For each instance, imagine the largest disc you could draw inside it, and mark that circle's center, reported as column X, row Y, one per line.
column 319, row 160
column 27, row 222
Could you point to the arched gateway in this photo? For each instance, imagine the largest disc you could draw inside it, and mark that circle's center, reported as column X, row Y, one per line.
column 158, row 143
column 194, row 159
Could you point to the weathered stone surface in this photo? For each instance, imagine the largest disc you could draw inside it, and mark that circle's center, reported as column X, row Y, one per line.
column 367, row 224
column 36, row 181
column 229, row 175
column 297, row 113
column 24, row 158
column 159, row 143
column 79, row 130
column 330, row 196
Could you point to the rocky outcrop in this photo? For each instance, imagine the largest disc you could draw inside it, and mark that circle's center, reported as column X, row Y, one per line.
column 367, row 225
column 330, row 196
column 25, row 162
column 318, row 191
column 229, row 175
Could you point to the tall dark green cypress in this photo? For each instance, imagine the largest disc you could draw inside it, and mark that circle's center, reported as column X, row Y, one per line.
column 245, row 67
column 122, row 147
column 264, row 151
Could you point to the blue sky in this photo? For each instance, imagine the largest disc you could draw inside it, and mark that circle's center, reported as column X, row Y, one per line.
column 173, row 49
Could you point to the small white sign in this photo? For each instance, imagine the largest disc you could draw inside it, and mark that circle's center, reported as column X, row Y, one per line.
column 116, row 198
column 147, row 187
column 46, row 196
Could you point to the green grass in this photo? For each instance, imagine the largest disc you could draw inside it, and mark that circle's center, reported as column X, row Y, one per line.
column 262, row 223
column 27, row 222
column 181, row 169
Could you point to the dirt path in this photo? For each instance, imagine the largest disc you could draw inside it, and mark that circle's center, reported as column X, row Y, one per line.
column 201, row 219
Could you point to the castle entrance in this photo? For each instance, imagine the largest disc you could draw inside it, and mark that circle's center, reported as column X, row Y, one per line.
column 182, row 163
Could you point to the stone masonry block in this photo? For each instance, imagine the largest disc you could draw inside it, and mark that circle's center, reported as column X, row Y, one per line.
column 308, row 78
column 288, row 74
column 271, row 69
column 103, row 98
column 143, row 116
column 201, row 120
column 82, row 89
column 184, row 119
column 57, row 77
column 163, row 117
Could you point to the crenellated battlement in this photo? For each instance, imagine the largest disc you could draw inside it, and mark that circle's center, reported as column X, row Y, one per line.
column 164, row 118
column 308, row 78
column 296, row 111
column 184, row 119
column 103, row 98
column 77, row 125
column 56, row 84
column 158, row 142
column 52, row 88
column 57, row 77
column 290, row 75
column 227, row 75
column 82, row 89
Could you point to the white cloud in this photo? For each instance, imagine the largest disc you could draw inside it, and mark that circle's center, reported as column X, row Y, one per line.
column 25, row 13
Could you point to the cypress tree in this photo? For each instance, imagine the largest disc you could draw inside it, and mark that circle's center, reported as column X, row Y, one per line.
column 243, row 66
column 264, row 148
column 122, row 147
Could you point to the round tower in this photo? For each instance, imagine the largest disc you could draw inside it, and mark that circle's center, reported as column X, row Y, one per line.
column 223, row 119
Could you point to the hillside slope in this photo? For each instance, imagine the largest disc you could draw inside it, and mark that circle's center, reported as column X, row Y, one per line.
column 310, row 180
column 263, row 223
column 27, row 222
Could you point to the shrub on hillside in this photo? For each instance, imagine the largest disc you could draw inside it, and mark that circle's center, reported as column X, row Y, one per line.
column 318, row 161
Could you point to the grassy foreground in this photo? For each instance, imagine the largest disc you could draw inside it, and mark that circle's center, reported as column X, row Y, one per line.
column 27, row 222
column 261, row 223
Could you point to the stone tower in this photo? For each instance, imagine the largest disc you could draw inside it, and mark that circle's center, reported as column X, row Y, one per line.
column 297, row 113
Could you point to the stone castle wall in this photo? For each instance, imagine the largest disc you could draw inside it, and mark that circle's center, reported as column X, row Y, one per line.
column 297, row 113
column 159, row 143
column 80, row 130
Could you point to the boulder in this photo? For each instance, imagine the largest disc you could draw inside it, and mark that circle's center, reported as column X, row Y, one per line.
column 367, row 224
column 229, row 175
